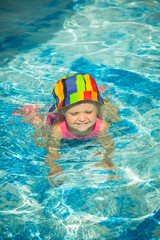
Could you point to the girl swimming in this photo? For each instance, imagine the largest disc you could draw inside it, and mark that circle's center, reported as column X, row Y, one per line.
column 76, row 114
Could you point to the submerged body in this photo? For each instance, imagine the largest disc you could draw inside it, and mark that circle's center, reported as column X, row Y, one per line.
column 76, row 114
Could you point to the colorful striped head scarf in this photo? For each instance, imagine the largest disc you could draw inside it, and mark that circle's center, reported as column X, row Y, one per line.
column 74, row 88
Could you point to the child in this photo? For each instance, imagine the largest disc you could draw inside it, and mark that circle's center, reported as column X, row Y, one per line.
column 78, row 106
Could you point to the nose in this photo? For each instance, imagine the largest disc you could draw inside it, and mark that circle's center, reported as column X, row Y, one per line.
column 82, row 117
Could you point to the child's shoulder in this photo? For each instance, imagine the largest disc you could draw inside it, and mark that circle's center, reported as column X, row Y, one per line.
column 104, row 126
column 56, row 131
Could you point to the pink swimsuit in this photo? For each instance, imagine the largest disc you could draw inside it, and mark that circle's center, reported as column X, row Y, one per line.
column 68, row 135
column 65, row 132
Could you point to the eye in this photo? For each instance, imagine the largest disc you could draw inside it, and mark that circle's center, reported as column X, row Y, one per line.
column 74, row 113
column 88, row 112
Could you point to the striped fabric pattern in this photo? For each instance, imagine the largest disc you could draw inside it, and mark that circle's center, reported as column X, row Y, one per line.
column 74, row 88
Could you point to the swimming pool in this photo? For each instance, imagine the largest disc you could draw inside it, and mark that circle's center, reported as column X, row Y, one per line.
column 117, row 42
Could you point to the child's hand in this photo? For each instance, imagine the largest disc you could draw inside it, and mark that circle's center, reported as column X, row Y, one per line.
column 53, row 172
column 51, row 181
column 106, row 163
column 52, row 155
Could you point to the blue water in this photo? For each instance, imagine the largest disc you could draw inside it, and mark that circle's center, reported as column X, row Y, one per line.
column 117, row 42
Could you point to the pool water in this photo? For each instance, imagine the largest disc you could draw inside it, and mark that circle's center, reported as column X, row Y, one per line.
column 117, row 42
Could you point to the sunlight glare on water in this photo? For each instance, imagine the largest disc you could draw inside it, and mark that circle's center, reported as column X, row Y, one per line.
column 117, row 42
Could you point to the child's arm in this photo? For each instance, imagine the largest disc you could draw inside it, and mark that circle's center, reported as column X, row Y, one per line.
column 53, row 145
column 53, row 155
column 108, row 146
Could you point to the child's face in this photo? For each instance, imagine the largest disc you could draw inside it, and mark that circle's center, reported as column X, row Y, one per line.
column 81, row 118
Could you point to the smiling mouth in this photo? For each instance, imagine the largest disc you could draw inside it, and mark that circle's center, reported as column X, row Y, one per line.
column 82, row 124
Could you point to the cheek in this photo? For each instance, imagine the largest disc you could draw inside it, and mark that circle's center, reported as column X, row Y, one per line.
column 70, row 119
column 93, row 116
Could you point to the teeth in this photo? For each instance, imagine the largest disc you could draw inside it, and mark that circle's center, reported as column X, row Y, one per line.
column 82, row 124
